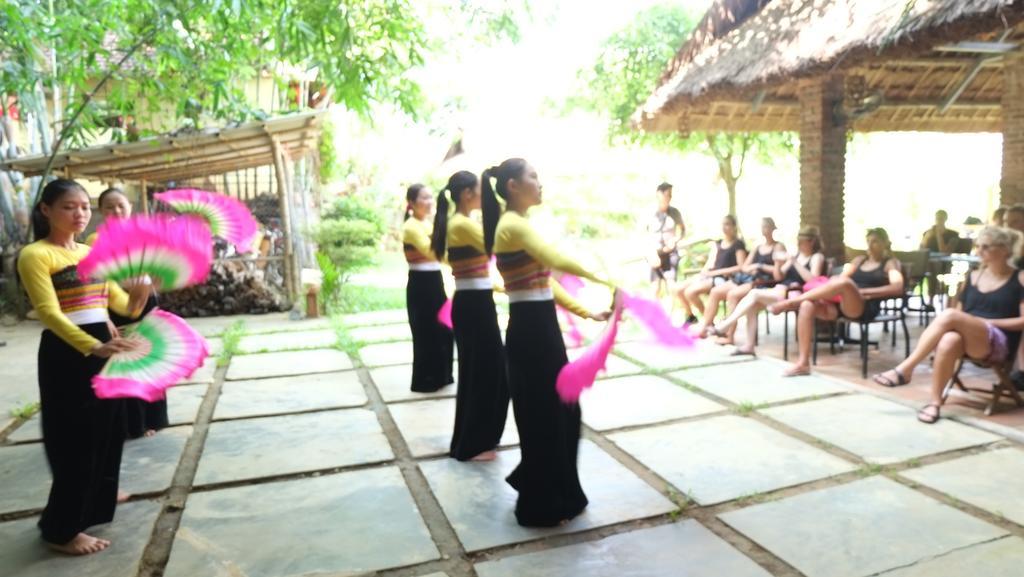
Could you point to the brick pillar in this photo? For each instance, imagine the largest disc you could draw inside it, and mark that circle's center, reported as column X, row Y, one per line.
column 822, row 161
column 1012, row 183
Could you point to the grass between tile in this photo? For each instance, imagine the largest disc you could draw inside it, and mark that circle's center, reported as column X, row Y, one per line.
column 751, row 499
column 870, row 469
column 346, row 342
column 744, row 408
column 230, row 339
column 25, row 411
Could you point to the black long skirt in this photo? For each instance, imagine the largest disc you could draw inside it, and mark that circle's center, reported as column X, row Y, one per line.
column 83, row 437
column 481, row 402
column 549, row 430
column 432, row 342
column 141, row 416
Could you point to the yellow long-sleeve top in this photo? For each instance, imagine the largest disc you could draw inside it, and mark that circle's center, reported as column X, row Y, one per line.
column 525, row 262
column 466, row 254
column 416, row 243
column 62, row 300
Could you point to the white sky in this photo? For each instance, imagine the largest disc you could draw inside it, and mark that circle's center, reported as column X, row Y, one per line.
column 504, row 88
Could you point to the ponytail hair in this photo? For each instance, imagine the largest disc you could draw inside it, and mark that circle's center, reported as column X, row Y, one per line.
column 506, row 171
column 411, row 194
column 457, row 184
column 52, row 193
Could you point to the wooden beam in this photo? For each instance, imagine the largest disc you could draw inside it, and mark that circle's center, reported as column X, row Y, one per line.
column 196, row 171
column 144, row 197
column 940, row 62
column 181, row 154
column 976, row 47
column 284, row 199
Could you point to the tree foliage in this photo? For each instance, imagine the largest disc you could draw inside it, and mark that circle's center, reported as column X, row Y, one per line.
column 191, row 55
column 627, row 71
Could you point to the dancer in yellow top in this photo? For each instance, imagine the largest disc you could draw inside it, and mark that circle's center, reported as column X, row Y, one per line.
column 549, row 430
column 83, row 435
column 481, row 402
column 141, row 418
column 424, row 295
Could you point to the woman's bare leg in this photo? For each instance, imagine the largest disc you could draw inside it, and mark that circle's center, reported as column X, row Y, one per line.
column 805, row 318
column 715, row 297
column 732, row 298
column 950, row 349
column 692, row 294
column 973, row 330
column 852, row 304
column 756, row 299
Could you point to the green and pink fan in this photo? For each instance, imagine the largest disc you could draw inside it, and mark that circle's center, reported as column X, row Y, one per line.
column 168, row 351
column 228, row 217
column 174, row 252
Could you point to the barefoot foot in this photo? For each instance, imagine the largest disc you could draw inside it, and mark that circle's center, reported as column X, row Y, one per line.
column 81, row 544
column 797, row 371
column 149, row 432
column 123, row 497
column 486, row 456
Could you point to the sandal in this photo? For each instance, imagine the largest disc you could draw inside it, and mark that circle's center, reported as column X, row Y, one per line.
column 885, row 381
column 742, row 353
column 928, row 418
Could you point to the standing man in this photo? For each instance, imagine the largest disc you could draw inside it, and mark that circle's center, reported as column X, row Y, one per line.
column 667, row 229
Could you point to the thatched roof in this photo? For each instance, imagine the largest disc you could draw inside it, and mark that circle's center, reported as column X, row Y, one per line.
column 754, row 50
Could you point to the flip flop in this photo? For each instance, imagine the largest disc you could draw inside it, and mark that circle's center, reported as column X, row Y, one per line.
column 885, row 381
column 742, row 353
column 928, row 418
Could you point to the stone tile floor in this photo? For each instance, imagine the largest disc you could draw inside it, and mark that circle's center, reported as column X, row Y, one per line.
column 293, row 463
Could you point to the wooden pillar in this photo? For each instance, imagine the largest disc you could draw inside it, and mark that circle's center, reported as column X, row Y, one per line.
column 823, row 161
column 1011, row 184
column 284, row 200
column 143, row 197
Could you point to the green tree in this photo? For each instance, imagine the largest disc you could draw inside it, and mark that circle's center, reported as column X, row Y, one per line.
column 114, row 59
column 626, row 72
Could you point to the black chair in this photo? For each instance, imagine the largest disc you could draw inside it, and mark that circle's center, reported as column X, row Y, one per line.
column 918, row 262
column 893, row 311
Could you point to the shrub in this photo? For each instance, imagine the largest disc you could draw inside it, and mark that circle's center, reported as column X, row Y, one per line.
column 349, row 234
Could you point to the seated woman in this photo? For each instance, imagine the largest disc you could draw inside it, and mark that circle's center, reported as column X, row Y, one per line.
column 985, row 326
column 756, row 271
column 723, row 261
column 866, row 281
column 790, row 272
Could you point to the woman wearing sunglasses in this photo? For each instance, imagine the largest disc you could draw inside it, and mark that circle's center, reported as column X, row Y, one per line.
column 985, row 327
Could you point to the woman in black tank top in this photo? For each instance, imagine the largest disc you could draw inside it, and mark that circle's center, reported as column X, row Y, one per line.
column 755, row 270
column 985, row 327
column 725, row 259
column 864, row 283
column 790, row 272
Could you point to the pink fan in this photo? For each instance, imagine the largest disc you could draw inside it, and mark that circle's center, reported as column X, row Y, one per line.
column 228, row 217
column 167, row 351
column 572, row 285
column 173, row 252
column 580, row 374
column 651, row 314
column 444, row 314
